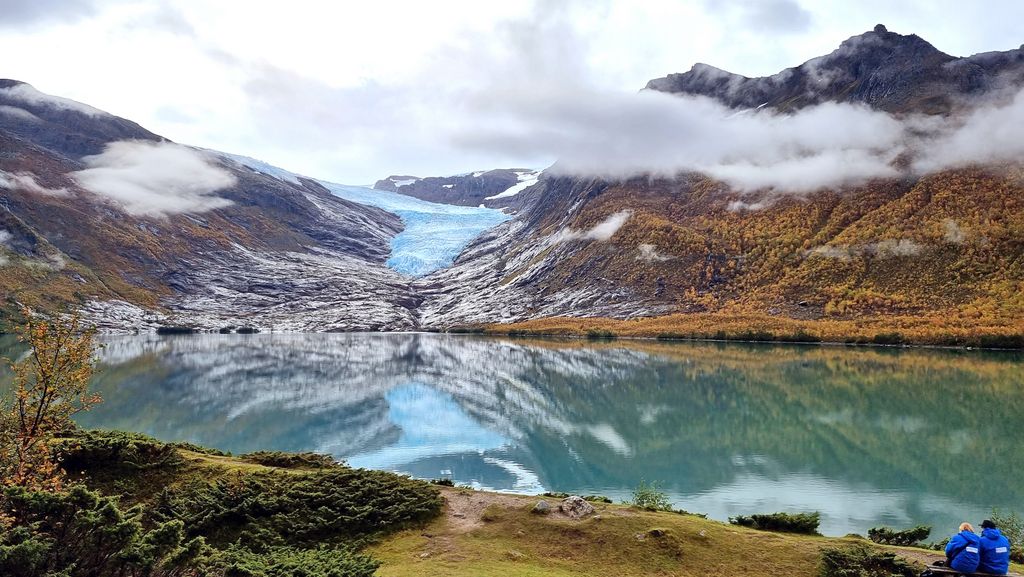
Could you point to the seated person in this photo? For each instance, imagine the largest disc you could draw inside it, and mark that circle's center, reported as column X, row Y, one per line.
column 994, row 550
column 962, row 550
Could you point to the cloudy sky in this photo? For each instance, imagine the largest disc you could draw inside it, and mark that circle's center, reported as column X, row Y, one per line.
column 353, row 92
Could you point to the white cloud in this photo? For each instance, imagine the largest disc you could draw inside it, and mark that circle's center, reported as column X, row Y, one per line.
column 991, row 133
column 27, row 181
column 649, row 253
column 881, row 249
column 19, row 113
column 26, row 93
column 953, row 233
column 603, row 231
column 155, row 178
column 4, row 237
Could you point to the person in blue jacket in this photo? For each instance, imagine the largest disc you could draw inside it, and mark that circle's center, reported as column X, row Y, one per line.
column 994, row 550
column 962, row 550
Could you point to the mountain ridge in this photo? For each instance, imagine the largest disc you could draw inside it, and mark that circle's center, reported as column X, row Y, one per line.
column 285, row 253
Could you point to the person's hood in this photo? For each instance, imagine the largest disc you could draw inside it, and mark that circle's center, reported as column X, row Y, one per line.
column 991, row 533
column 969, row 535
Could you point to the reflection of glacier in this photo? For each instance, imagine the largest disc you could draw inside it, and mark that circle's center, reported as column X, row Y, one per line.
column 726, row 429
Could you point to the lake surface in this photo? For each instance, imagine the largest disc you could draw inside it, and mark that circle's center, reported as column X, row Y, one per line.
column 867, row 436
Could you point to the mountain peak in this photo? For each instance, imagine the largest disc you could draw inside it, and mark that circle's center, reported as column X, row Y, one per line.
column 885, row 70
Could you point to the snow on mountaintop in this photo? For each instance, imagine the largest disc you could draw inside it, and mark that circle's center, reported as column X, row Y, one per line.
column 526, row 180
column 403, row 182
column 262, row 167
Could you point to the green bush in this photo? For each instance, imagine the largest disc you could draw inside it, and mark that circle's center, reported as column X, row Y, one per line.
column 650, row 497
column 290, row 460
column 90, row 450
column 907, row 537
column 599, row 334
column 863, row 561
column 339, row 505
column 79, row 533
column 597, row 499
column 238, row 561
column 1011, row 525
column 805, row 523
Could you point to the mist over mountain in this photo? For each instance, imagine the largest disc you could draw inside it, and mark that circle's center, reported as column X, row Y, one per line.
column 881, row 179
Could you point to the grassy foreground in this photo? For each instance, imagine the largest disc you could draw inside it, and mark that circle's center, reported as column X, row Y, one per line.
column 883, row 330
column 302, row 501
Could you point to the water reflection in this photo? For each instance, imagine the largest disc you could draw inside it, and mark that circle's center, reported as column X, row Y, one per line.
column 866, row 436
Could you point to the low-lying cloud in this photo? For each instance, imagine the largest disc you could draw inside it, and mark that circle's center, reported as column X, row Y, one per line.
column 29, row 95
column 881, row 249
column 602, row 231
column 826, row 146
column 27, row 181
column 155, row 178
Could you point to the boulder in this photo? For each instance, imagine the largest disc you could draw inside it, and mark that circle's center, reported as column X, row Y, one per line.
column 576, row 507
column 541, row 508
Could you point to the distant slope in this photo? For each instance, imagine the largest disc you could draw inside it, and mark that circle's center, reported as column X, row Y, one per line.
column 491, row 188
column 258, row 251
column 947, row 247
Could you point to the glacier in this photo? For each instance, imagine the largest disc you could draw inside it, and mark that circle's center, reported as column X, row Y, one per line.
column 434, row 235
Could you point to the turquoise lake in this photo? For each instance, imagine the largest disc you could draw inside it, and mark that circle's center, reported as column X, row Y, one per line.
column 866, row 436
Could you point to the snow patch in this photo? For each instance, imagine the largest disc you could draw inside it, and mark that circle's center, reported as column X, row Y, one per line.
column 404, row 182
column 263, row 167
column 526, row 180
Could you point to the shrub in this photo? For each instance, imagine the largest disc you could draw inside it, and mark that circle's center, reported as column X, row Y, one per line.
column 556, row 494
column 863, row 561
column 114, row 450
column 888, row 339
column 444, row 482
column 290, row 460
column 1012, row 526
column 80, row 533
column 597, row 499
column 601, row 334
column 650, row 497
column 907, row 537
column 331, row 506
column 806, row 523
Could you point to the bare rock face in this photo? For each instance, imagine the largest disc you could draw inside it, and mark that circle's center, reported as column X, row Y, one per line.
column 883, row 69
column 576, row 507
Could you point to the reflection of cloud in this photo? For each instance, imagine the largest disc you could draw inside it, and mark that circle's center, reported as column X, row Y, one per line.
column 431, row 423
column 155, row 179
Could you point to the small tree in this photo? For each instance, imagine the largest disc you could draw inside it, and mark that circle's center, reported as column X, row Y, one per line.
column 50, row 385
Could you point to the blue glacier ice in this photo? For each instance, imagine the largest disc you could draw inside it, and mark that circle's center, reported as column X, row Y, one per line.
column 434, row 233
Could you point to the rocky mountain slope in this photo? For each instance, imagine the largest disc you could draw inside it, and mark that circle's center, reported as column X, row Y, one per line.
column 886, row 70
column 258, row 245
column 947, row 244
column 92, row 211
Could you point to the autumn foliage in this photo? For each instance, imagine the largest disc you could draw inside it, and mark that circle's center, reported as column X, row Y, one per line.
column 50, row 385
